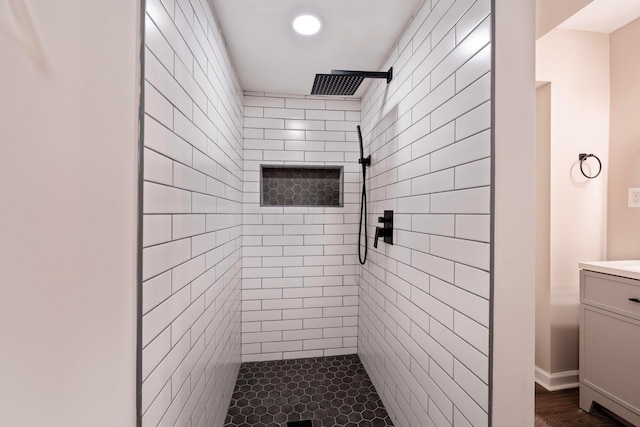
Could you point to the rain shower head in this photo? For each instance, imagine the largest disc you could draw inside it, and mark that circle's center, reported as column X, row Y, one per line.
column 344, row 82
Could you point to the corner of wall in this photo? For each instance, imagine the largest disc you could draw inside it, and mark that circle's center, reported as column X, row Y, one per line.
column 513, row 295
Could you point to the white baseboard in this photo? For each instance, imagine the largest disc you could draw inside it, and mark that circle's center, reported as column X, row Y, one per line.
column 558, row 380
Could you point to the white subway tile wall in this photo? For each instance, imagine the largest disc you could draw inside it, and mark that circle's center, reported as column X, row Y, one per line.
column 424, row 302
column 299, row 276
column 192, row 234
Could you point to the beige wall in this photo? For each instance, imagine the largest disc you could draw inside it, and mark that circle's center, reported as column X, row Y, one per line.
column 514, row 222
column 68, row 178
column 550, row 13
column 577, row 65
column 543, row 188
column 624, row 146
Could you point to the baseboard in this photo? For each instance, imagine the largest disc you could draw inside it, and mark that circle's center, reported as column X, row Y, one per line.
column 558, row 380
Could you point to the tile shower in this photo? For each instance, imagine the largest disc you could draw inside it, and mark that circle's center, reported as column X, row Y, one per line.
column 228, row 281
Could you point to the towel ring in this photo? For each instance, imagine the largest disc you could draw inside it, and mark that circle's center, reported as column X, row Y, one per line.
column 582, row 157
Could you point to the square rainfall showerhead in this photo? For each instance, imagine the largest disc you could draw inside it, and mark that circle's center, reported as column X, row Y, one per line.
column 334, row 84
column 344, row 82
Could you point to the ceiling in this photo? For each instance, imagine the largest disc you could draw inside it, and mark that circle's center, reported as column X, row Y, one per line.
column 357, row 35
column 270, row 57
column 603, row 16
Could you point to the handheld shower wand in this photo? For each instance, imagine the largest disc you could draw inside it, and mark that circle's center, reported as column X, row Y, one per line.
column 364, row 161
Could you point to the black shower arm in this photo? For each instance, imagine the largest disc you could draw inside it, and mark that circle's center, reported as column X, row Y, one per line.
column 366, row 74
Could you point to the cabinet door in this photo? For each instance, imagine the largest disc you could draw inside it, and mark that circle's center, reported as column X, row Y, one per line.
column 610, row 356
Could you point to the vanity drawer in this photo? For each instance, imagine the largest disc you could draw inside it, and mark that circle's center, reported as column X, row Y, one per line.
column 611, row 293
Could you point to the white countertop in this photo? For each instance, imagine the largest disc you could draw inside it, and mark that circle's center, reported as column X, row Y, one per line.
column 628, row 268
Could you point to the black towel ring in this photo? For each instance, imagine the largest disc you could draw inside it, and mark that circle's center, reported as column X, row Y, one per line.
column 582, row 157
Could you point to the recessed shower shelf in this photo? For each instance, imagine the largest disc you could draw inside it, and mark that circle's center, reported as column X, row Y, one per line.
column 301, row 185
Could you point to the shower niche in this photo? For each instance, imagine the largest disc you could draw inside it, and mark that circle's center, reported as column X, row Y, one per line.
column 288, row 185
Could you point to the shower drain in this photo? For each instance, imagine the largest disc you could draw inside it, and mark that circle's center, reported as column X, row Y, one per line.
column 304, row 423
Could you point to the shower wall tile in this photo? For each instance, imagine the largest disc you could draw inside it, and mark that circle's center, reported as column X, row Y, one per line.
column 192, row 217
column 424, row 302
column 299, row 270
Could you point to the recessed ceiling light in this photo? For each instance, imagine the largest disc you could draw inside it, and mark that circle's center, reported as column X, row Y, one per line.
column 307, row 25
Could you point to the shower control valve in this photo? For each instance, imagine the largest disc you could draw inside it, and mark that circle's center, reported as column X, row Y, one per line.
column 386, row 231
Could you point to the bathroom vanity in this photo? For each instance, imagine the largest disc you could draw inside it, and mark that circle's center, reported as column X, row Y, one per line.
column 610, row 337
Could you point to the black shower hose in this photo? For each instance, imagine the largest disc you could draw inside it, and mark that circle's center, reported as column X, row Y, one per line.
column 363, row 214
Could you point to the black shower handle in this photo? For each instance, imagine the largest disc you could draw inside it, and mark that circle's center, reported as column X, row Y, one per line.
column 634, row 300
column 380, row 232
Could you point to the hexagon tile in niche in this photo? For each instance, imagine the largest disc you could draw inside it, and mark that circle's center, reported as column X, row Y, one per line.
column 301, row 186
column 329, row 391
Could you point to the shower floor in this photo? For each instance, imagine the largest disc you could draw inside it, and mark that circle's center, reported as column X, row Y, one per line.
column 328, row 391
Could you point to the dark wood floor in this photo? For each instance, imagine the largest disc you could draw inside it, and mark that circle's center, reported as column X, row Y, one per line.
column 561, row 408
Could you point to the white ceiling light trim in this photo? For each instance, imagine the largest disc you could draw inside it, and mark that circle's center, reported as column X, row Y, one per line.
column 307, row 25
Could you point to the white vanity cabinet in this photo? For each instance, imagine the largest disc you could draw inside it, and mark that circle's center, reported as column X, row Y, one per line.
column 610, row 340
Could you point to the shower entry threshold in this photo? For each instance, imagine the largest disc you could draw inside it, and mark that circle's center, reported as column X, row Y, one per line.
column 317, row 392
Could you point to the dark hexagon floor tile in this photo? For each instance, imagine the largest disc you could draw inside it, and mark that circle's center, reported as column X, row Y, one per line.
column 330, row 391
